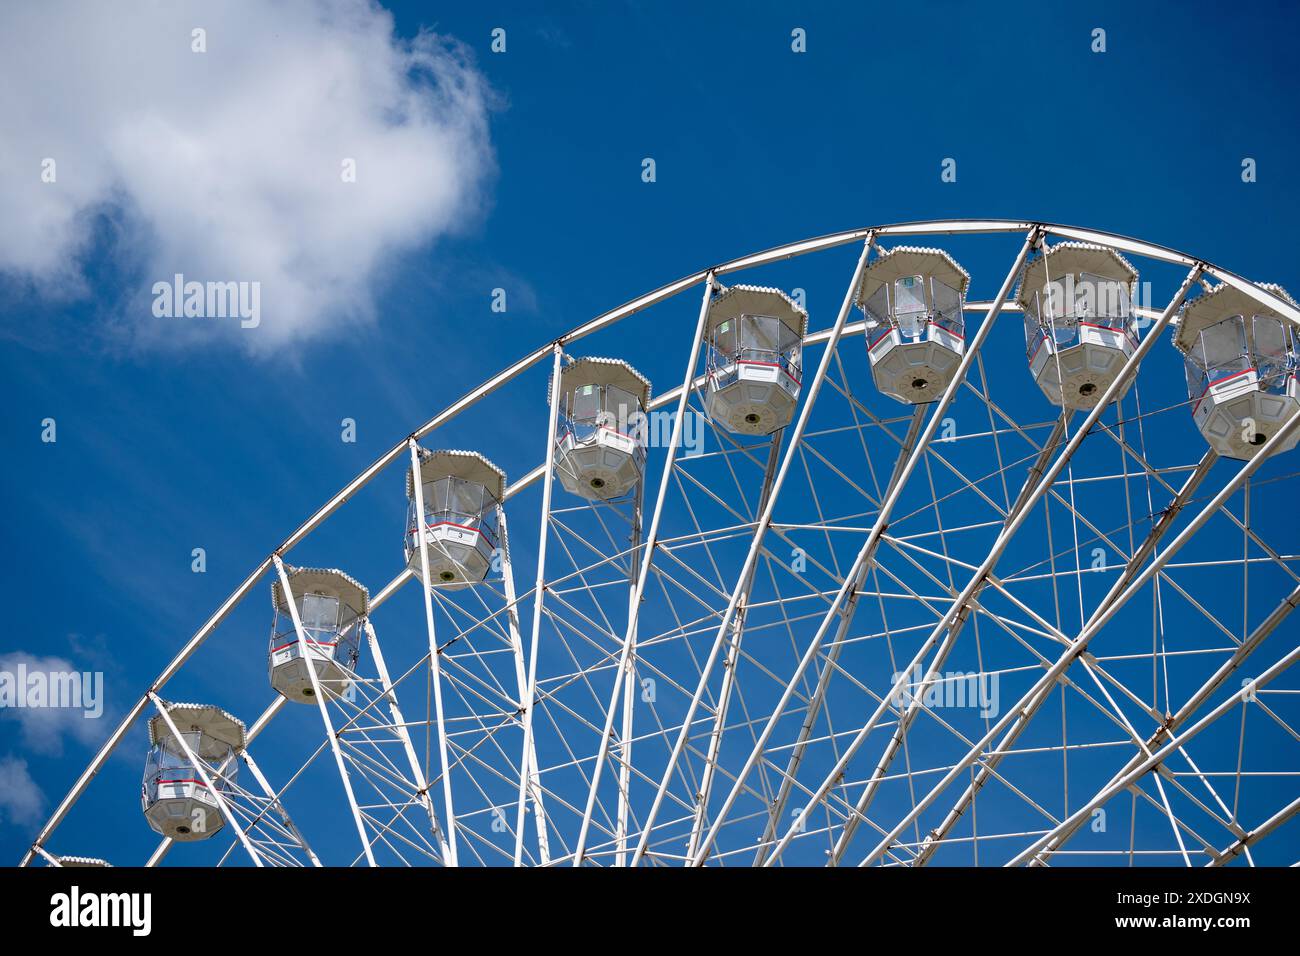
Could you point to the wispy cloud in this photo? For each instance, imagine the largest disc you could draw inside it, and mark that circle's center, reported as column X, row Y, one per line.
column 21, row 800
column 231, row 164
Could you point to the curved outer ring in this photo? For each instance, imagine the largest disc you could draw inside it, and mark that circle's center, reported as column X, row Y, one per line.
column 776, row 254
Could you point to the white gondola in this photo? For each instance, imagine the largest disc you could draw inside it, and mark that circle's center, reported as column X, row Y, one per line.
column 601, row 428
column 755, row 337
column 462, row 491
column 1241, row 360
column 332, row 607
column 911, row 300
column 1080, row 328
column 176, row 801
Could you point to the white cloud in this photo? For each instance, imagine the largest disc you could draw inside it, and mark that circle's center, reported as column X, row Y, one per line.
column 21, row 800
column 226, row 165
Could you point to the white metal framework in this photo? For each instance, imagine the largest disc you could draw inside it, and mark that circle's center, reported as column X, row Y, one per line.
column 991, row 615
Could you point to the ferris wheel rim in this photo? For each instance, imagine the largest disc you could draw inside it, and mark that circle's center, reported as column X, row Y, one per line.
column 785, row 251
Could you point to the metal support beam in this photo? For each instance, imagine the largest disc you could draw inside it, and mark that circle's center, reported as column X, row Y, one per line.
column 960, row 608
column 319, row 694
column 1242, row 844
column 818, row 701
column 1063, row 833
column 529, row 702
column 529, row 769
column 755, row 547
column 435, row 661
column 1133, row 567
column 629, row 688
column 647, row 557
column 914, row 702
column 864, row 558
column 399, row 727
column 731, row 663
column 1110, row 606
column 277, row 805
column 1160, row 756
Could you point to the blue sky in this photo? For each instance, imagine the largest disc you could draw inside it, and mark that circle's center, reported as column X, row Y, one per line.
column 169, row 442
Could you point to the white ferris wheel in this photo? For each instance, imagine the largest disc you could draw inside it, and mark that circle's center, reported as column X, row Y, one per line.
column 929, row 578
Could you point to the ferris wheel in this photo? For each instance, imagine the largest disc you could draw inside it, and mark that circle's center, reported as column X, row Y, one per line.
column 929, row 577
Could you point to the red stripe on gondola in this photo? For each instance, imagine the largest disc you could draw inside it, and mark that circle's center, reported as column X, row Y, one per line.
column 309, row 641
column 439, row 524
column 1033, row 355
column 771, row 365
column 1107, row 328
column 1218, row 381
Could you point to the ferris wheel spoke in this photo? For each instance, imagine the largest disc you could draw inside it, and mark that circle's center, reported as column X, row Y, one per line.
column 435, row 665
column 528, row 700
column 771, row 494
column 1178, row 826
column 1117, row 714
column 866, row 555
column 386, row 835
column 1005, row 625
column 732, row 665
column 255, row 811
column 1031, row 493
column 782, row 533
column 1206, row 462
column 822, row 523
column 483, row 682
column 1223, row 817
column 1185, row 712
column 1244, row 842
column 399, row 729
column 1130, row 570
column 716, row 586
column 829, row 666
column 808, row 448
column 625, row 813
column 771, row 799
column 742, row 489
column 581, row 583
column 638, row 586
column 1170, row 742
column 1159, row 529
column 1118, row 597
column 364, row 749
column 858, row 411
column 901, row 734
column 930, row 452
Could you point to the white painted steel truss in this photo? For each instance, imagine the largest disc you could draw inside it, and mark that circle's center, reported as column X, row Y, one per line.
column 766, row 671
